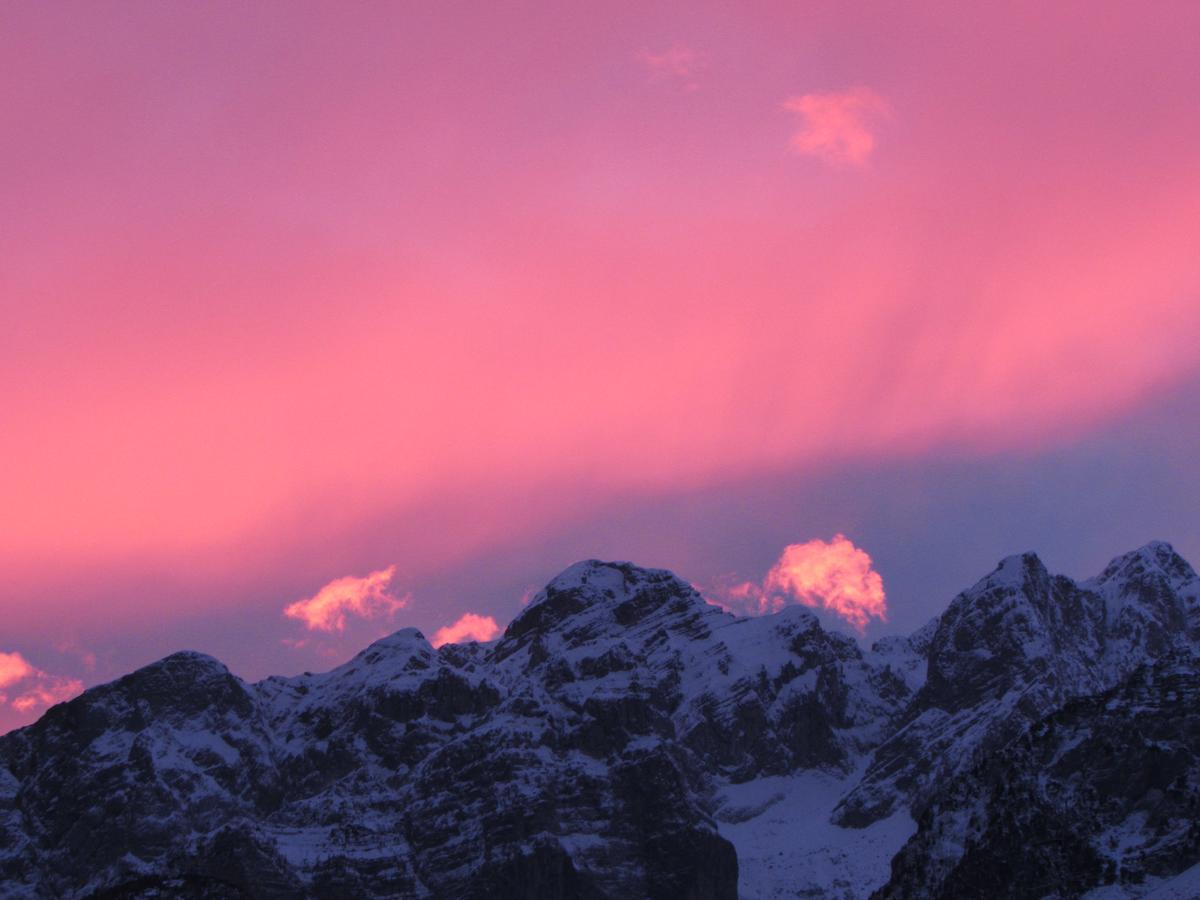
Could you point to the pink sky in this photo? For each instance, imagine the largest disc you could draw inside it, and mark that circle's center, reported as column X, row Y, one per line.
column 274, row 273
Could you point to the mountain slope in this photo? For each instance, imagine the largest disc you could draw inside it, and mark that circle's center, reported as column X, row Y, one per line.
column 577, row 756
column 623, row 738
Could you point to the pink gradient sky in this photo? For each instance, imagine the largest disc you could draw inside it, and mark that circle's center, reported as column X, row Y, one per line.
column 275, row 278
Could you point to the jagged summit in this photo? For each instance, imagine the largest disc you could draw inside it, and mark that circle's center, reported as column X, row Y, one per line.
column 1157, row 560
column 1018, row 567
column 592, row 598
column 406, row 641
column 594, row 581
column 1015, row 570
column 626, row 738
column 1007, row 651
column 185, row 661
column 1157, row 553
column 184, row 672
column 403, row 637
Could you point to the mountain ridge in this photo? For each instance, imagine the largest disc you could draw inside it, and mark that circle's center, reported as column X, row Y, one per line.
column 623, row 737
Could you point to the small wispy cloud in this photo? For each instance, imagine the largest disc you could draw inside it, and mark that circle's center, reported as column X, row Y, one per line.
column 469, row 627
column 832, row 575
column 366, row 597
column 677, row 63
column 72, row 647
column 26, row 687
column 839, row 127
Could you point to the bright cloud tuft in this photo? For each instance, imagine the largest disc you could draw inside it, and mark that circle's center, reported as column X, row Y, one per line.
column 838, row 127
column 469, row 627
column 34, row 688
column 834, row 575
column 366, row 597
column 13, row 668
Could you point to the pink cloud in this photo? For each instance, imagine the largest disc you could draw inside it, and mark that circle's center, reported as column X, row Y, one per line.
column 365, row 597
column 838, row 127
column 834, row 575
column 49, row 689
column 34, row 688
column 469, row 627
column 86, row 656
column 678, row 62
column 13, row 668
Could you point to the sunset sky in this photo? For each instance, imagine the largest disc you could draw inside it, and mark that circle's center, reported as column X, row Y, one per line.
column 322, row 320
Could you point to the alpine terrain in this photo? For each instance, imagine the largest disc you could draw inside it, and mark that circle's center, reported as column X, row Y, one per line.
column 625, row 739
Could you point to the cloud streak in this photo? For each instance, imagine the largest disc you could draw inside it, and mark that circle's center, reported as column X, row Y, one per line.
column 469, row 627
column 832, row 575
column 367, row 598
column 838, row 128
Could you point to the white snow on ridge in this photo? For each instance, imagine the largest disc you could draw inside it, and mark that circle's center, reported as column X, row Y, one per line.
column 787, row 846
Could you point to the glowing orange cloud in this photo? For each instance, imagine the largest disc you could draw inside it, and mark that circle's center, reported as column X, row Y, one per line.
column 469, row 627
column 36, row 688
column 365, row 597
column 838, row 126
column 833, row 575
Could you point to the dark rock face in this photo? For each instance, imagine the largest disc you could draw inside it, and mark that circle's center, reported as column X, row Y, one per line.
column 1105, row 791
column 584, row 754
column 1015, row 647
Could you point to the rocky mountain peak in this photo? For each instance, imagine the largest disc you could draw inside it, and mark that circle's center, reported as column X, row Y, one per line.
column 1007, row 650
column 1151, row 598
column 1015, row 623
column 1155, row 557
column 187, row 665
column 597, row 601
column 1147, row 576
column 182, row 684
column 1018, row 569
column 399, row 647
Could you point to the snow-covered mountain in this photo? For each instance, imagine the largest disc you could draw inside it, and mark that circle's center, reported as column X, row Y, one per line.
column 625, row 738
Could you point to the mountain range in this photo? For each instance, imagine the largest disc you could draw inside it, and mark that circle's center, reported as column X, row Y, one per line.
column 625, row 738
